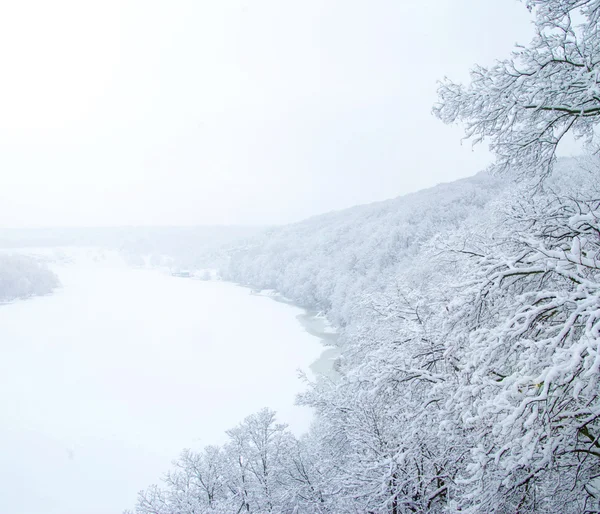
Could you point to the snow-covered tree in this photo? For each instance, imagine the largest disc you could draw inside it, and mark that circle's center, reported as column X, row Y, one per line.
column 22, row 276
column 525, row 331
column 257, row 471
column 526, row 104
column 525, row 334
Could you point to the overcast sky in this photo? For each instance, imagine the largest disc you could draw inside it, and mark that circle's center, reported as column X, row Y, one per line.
column 183, row 112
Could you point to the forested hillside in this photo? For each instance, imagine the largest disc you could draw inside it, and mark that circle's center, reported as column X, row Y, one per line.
column 469, row 319
column 328, row 262
column 435, row 295
column 22, row 277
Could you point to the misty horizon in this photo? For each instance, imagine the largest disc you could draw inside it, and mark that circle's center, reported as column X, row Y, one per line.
column 317, row 257
column 230, row 113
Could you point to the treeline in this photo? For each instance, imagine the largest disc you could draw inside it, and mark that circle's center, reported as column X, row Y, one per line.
column 22, row 276
column 182, row 247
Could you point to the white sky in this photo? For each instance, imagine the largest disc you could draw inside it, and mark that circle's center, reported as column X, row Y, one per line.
column 183, row 112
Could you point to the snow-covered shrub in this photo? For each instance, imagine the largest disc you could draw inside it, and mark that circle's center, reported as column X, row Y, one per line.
column 22, row 277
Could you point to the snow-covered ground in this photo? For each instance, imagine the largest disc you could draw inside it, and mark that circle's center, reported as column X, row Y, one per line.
column 107, row 379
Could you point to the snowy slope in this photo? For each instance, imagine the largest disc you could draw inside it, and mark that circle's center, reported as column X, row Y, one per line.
column 329, row 261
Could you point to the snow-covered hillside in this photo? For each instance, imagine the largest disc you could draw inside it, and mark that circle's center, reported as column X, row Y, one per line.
column 468, row 321
column 328, row 262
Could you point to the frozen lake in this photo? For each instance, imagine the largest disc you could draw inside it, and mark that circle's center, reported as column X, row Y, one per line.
column 105, row 381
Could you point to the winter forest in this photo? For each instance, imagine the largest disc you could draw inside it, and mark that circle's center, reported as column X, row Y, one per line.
column 468, row 314
column 466, row 376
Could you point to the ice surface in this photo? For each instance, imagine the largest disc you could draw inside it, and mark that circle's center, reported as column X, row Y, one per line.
column 105, row 381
